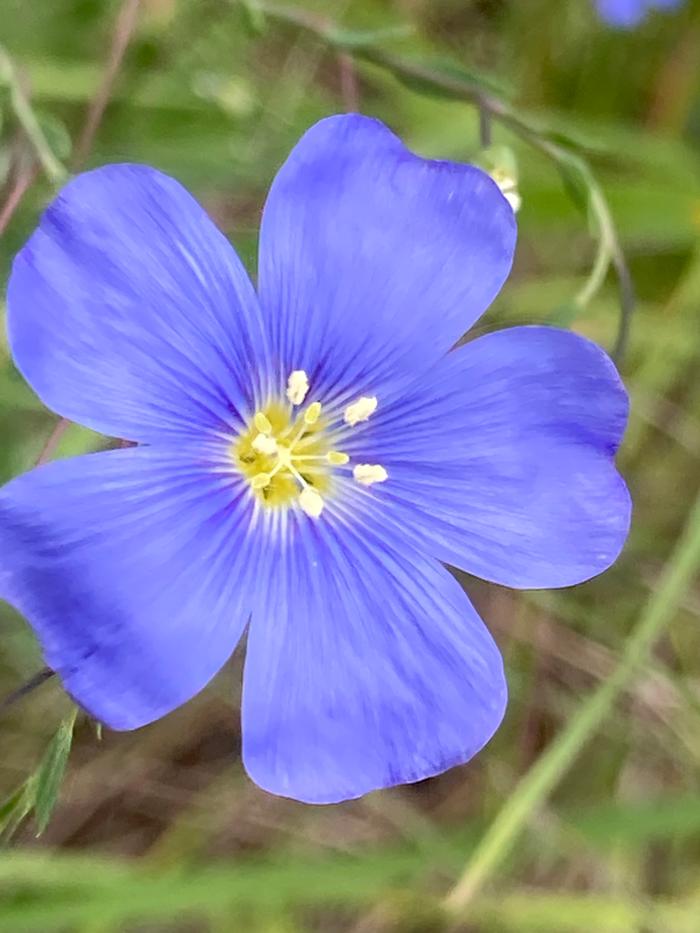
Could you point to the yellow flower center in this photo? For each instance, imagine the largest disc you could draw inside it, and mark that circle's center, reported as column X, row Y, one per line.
column 286, row 454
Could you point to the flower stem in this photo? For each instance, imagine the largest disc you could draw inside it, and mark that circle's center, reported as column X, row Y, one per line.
column 541, row 780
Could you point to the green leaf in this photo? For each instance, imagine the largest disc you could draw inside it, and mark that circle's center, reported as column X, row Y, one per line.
column 439, row 78
column 357, row 39
column 575, row 140
column 49, row 775
column 40, row 791
column 14, row 809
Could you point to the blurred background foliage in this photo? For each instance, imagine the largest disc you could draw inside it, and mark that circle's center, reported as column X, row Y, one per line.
column 584, row 811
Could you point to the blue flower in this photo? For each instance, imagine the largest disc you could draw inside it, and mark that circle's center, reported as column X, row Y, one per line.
column 625, row 14
column 306, row 457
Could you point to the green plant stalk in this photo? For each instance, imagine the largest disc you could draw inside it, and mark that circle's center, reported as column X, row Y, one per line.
column 53, row 168
column 596, row 277
column 50, row 892
column 541, row 780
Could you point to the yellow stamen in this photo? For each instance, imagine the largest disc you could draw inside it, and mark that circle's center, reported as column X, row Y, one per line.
column 311, row 502
column 265, row 444
column 312, row 413
column 262, row 423
column 286, row 456
column 297, row 386
column 368, row 473
column 360, row 410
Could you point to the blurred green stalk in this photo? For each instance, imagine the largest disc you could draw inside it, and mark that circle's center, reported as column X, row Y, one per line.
column 540, row 780
column 54, row 170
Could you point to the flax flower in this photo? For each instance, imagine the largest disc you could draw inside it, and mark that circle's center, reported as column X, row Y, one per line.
column 307, row 457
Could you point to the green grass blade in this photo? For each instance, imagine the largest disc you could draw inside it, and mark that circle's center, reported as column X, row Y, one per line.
column 49, row 776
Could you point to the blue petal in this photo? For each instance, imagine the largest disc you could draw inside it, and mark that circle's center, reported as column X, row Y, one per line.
column 130, row 313
column 623, row 14
column 501, row 463
column 134, row 567
column 367, row 667
column 373, row 262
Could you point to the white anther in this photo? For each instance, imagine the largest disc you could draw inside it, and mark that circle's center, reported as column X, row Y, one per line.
column 262, row 423
column 337, row 458
column 297, row 386
column 311, row 502
column 360, row 410
column 265, row 444
column 509, row 188
column 514, row 199
column 368, row 473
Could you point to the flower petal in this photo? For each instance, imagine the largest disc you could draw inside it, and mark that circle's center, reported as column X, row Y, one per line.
column 367, row 667
column 134, row 567
column 129, row 312
column 623, row 14
column 501, row 462
column 373, row 262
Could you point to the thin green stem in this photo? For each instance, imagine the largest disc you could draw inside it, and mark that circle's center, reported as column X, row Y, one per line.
column 541, row 780
column 53, row 168
column 596, row 276
column 609, row 248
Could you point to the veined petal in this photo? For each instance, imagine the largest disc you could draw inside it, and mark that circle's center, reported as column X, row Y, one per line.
column 367, row 666
column 129, row 312
column 135, row 569
column 501, row 462
column 373, row 261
